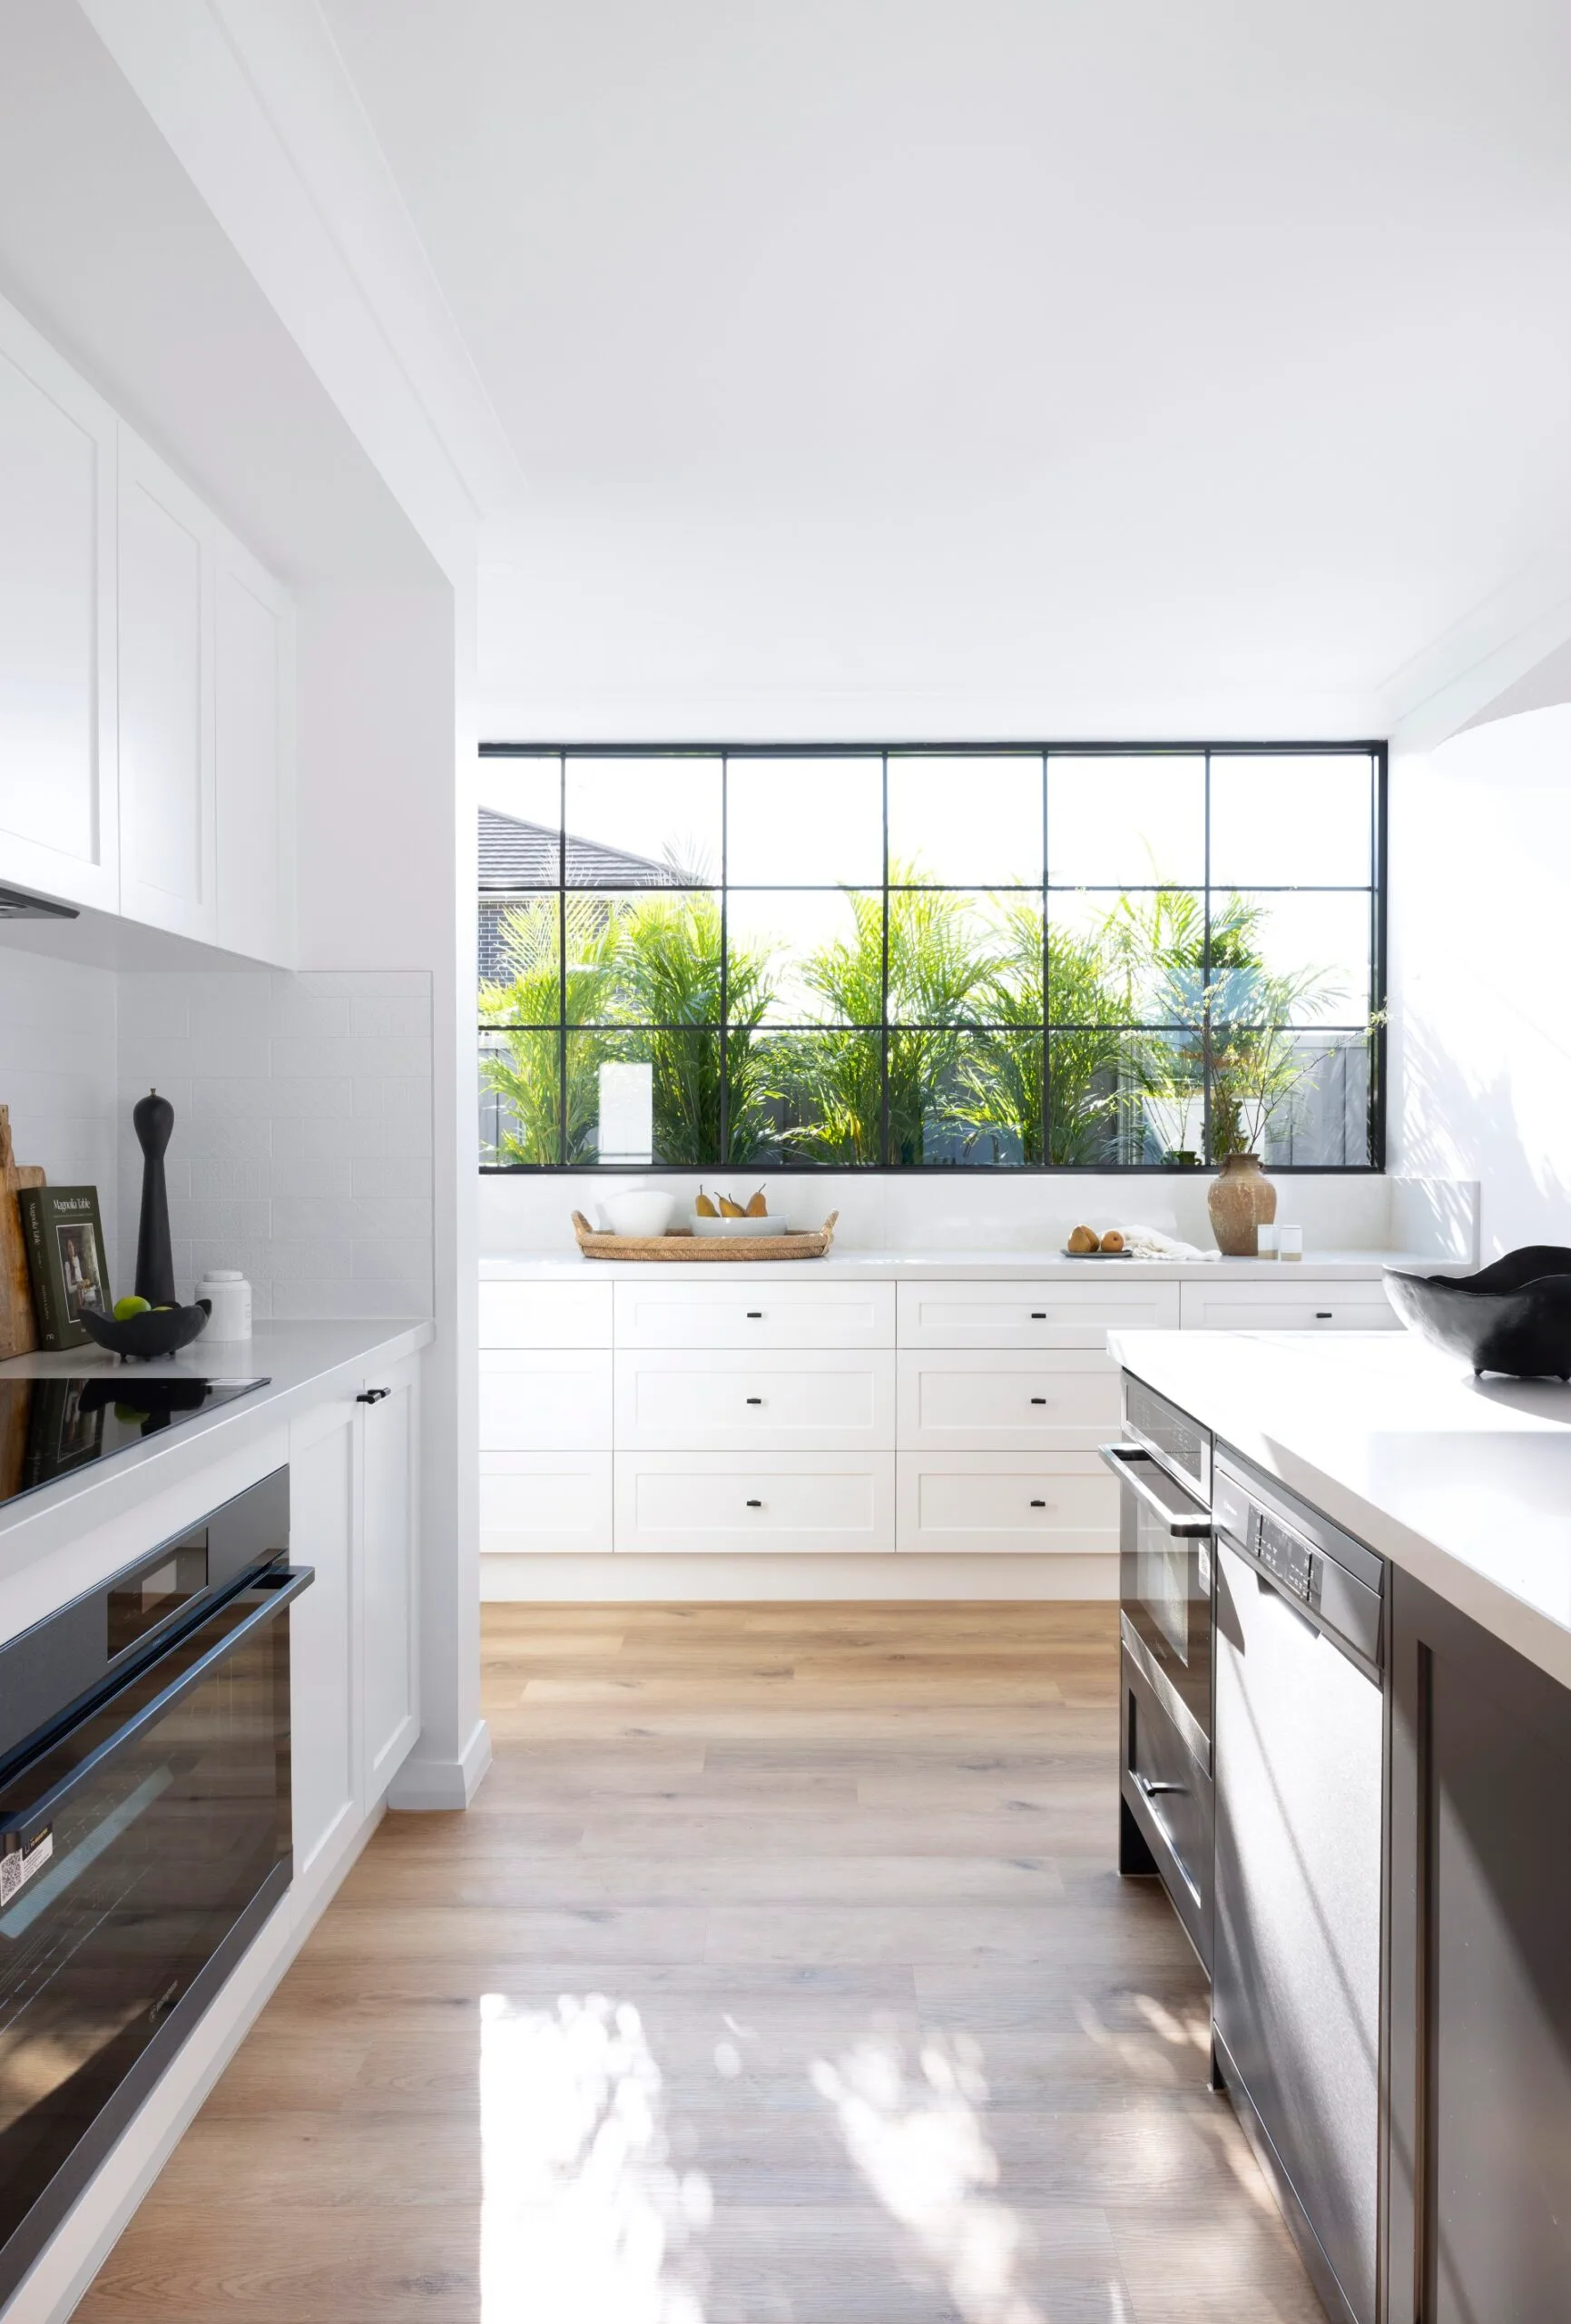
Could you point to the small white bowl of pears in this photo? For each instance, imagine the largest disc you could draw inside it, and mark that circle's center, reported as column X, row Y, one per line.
column 723, row 1216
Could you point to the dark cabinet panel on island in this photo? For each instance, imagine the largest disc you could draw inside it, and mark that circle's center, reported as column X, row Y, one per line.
column 1480, row 1976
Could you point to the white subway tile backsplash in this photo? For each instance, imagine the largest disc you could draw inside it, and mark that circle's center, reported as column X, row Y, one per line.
column 302, row 1145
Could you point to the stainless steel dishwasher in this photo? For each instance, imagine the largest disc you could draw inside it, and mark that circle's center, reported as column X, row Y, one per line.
column 1300, row 1790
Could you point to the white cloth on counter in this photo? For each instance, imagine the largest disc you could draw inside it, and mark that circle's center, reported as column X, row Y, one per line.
column 1149, row 1242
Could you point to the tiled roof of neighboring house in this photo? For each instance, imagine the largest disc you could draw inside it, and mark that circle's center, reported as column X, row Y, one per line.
column 515, row 855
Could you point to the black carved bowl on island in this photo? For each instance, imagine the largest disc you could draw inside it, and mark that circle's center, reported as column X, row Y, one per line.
column 1512, row 1316
column 161, row 1331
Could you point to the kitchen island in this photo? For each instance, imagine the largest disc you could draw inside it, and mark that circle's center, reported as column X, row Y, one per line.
column 326, row 1444
column 1454, row 1928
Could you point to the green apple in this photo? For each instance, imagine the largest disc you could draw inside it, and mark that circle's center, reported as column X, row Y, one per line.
column 124, row 1309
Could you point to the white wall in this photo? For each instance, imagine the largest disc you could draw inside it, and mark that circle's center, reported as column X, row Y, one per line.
column 1481, row 962
column 301, row 1151
column 58, row 1076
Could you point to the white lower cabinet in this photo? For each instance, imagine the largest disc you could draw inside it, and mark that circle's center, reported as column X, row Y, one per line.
column 673, row 1309
column 1072, row 1314
column 389, row 1578
column 547, row 1503
column 991, row 1400
column 972, row 1501
column 1291, row 1306
column 822, row 1501
column 827, row 1400
column 546, row 1400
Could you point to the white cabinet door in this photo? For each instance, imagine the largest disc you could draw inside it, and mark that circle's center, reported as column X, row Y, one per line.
column 324, row 1462
column 544, row 1502
column 1076, row 1313
column 673, row 1310
column 980, row 1400
column 389, row 1590
column 822, row 1400
column 546, row 1314
column 254, row 649
column 1288, row 1305
column 793, row 1502
column 546, row 1400
column 58, row 787
column 1062, row 1503
column 168, row 818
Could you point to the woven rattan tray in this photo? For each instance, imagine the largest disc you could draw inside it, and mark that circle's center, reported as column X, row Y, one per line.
column 703, row 1250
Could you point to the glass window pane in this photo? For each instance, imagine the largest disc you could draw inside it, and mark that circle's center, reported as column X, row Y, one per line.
column 1290, row 1096
column 643, row 959
column 675, row 1101
column 1116, row 1099
column 801, row 1097
column 961, row 1100
column 956, row 959
column 813, row 957
column 1292, row 821
column 1301, row 959
column 642, row 823
column 519, row 959
column 520, row 1097
column 1130, row 960
column 805, row 823
column 966, row 822
column 520, row 824
column 1127, row 823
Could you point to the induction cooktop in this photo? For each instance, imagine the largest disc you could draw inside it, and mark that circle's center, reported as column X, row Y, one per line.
column 51, row 1428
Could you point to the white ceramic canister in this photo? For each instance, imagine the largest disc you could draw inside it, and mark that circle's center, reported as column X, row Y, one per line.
column 230, row 1295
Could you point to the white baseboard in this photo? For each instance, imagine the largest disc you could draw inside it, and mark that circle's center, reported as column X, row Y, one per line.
column 656, row 1580
column 426, row 1785
column 63, row 2270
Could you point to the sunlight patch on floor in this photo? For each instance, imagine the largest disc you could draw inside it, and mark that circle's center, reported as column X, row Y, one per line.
column 583, row 2219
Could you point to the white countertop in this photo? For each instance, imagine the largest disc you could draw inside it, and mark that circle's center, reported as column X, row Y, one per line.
column 963, row 1266
column 304, row 1364
column 1465, row 1483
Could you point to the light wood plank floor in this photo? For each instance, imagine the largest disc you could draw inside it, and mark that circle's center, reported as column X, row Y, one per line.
column 780, row 1974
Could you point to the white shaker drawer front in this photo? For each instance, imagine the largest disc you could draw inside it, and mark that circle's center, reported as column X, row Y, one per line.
column 1062, row 1503
column 544, row 1502
column 556, row 1399
column 984, row 1400
column 1290, row 1306
column 546, row 1314
column 1033, row 1315
column 825, row 1400
column 768, row 1313
column 818, row 1501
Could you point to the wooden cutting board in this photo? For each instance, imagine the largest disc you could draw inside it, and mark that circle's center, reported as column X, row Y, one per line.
column 18, row 1331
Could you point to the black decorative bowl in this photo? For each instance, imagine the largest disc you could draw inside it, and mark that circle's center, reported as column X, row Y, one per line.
column 1513, row 1316
column 160, row 1332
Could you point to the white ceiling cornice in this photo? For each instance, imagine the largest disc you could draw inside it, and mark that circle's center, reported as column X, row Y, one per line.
column 1471, row 664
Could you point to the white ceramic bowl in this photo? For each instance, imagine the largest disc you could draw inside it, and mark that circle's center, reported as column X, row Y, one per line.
column 640, row 1215
column 739, row 1226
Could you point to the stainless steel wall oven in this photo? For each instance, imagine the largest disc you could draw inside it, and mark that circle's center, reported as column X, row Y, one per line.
column 145, row 1836
column 1166, row 1811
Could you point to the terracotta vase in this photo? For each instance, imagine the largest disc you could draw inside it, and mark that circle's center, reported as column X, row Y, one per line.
column 1241, row 1199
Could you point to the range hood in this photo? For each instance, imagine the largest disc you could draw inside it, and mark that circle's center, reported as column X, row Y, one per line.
column 15, row 904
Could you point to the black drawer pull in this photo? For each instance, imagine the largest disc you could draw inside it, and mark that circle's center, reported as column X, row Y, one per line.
column 1038, row 1314
column 1322, row 1315
column 755, row 1504
column 755, row 1400
column 372, row 1396
column 755, row 1314
column 1038, row 1400
column 1038, row 1504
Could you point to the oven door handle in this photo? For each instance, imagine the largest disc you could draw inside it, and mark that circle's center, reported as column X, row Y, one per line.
column 282, row 1585
column 1134, row 1467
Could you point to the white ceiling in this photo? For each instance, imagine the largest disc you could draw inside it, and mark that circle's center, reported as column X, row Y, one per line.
column 1013, row 366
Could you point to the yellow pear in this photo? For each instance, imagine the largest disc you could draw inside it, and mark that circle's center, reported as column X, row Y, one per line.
column 728, row 1209
column 703, row 1206
column 1113, row 1240
column 757, row 1207
column 1083, row 1238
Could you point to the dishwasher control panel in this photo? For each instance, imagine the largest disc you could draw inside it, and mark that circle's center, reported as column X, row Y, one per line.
column 1288, row 1556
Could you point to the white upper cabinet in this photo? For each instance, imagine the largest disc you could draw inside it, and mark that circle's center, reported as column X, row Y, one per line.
column 254, row 695
column 167, row 759
column 58, row 658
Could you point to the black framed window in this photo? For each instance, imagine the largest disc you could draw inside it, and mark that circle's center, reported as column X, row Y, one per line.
column 1018, row 957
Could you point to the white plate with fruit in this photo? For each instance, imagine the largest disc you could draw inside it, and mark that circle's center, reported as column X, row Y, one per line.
column 723, row 1216
column 1086, row 1243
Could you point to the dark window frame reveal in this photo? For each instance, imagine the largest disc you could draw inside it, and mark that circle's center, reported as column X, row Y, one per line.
column 724, row 752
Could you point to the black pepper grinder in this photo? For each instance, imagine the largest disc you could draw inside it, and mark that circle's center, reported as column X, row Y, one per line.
column 152, row 1117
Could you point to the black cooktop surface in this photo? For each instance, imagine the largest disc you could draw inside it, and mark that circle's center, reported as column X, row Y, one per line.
column 52, row 1427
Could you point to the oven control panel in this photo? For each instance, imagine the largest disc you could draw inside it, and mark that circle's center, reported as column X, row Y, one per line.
column 1288, row 1556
